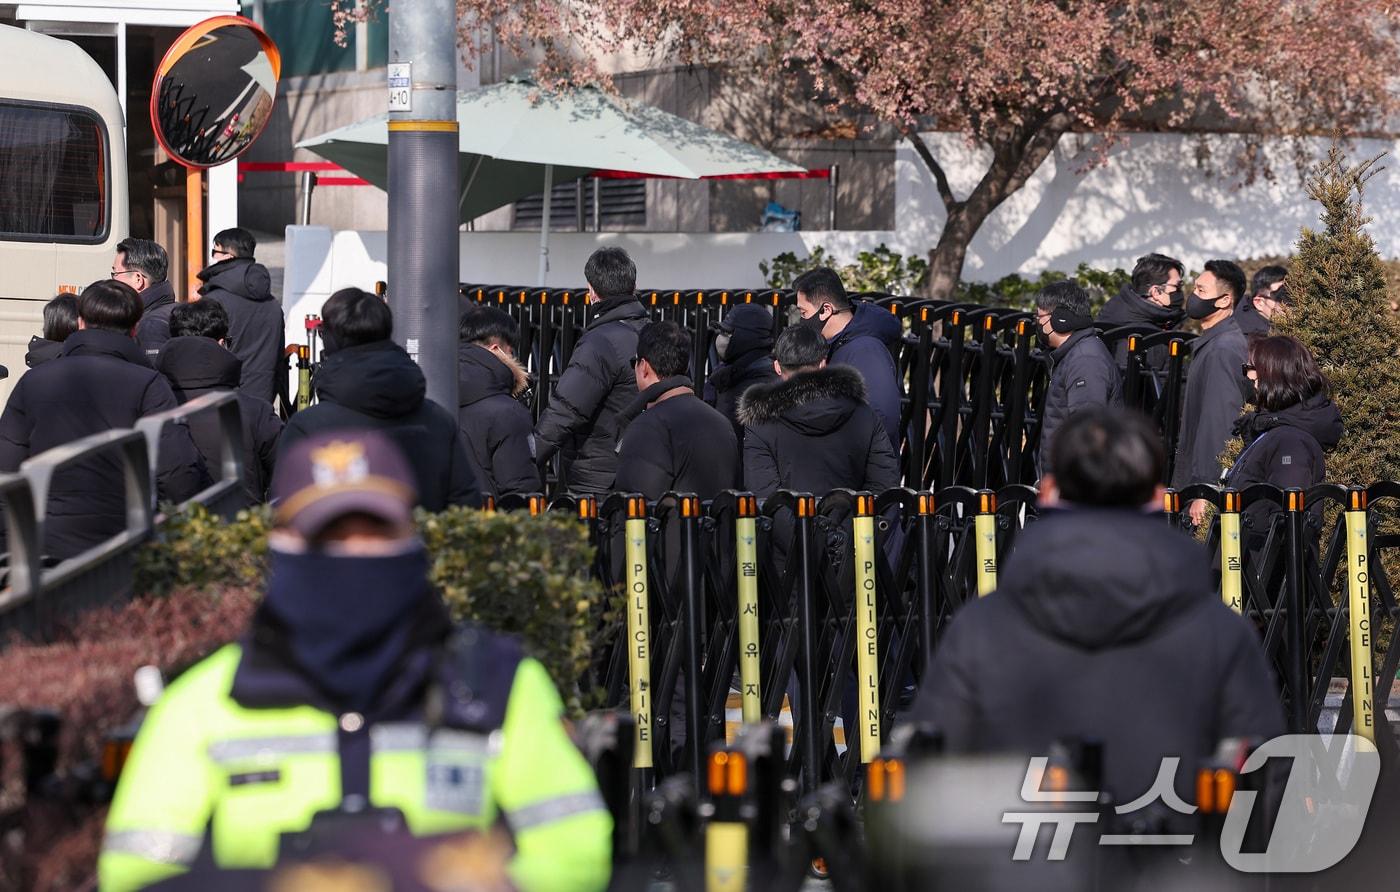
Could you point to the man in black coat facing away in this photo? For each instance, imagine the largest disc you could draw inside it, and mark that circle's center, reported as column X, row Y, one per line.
column 677, row 443
column 1154, row 297
column 496, row 426
column 1215, row 382
column 256, row 327
column 582, row 418
column 101, row 382
column 813, row 431
column 1084, row 373
column 368, row 382
column 196, row 363
column 1105, row 626
column 143, row 264
column 744, row 347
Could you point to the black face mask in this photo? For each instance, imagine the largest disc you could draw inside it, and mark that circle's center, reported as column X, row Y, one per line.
column 816, row 321
column 1200, row 309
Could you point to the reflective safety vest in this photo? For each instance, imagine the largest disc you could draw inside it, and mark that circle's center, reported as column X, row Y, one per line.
column 204, row 762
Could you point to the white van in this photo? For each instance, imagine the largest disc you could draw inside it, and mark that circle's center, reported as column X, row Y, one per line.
column 63, row 187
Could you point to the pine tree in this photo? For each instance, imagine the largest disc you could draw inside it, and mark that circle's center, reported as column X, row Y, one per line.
column 1341, row 312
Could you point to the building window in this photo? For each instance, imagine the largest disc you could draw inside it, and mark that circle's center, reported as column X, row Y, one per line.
column 53, row 174
column 622, row 204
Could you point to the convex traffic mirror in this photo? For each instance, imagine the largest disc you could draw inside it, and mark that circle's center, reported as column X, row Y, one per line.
column 214, row 90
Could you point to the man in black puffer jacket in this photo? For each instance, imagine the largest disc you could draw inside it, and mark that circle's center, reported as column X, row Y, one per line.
column 1154, row 297
column 367, row 382
column 494, row 423
column 1105, row 626
column 582, row 419
column 101, row 382
column 745, row 350
column 813, row 431
column 1084, row 374
column 196, row 363
column 256, row 327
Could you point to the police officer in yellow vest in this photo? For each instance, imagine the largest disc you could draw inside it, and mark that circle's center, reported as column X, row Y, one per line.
column 353, row 695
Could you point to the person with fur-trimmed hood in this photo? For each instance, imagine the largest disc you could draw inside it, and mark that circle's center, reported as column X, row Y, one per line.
column 813, row 431
column 495, row 424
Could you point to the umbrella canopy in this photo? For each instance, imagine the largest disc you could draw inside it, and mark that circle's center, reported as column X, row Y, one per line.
column 510, row 132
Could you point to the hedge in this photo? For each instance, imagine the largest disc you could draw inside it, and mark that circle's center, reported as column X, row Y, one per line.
column 529, row 576
column 199, row 583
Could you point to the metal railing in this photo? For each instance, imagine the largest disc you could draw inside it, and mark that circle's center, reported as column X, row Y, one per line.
column 40, row 594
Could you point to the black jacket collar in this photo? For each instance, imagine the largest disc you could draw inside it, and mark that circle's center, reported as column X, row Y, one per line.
column 614, row 309
column 97, row 342
column 1075, row 339
column 158, row 295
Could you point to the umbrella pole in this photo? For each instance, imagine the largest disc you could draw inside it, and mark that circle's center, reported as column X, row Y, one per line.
column 544, row 222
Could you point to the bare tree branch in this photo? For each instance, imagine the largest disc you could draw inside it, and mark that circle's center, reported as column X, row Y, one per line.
column 945, row 192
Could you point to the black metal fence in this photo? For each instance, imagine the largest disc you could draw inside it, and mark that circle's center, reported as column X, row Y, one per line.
column 973, row 378
column 744, row 615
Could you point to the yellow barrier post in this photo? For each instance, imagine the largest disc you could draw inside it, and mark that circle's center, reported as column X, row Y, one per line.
column 746, row 551
column 639, row 630
column 727, row 836
column 985, row 527
column 867, row 630
column 1363, row 712
column 1231, row 570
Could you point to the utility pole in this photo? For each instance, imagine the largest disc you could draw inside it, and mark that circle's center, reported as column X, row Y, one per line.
column 423, row 180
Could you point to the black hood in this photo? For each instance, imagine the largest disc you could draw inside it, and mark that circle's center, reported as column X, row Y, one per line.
column 161, row 294
column 198, row 364
column 481, row 373
column 41, row 350
column 238, row 275
column 99, row 342
column 1127, row 307
column 1316, row 415
column 811, row 403
column 750, row 329
column 1098, row 578
column 378, row 379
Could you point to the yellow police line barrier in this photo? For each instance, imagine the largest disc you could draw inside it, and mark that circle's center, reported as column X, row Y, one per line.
column 1230, row 567
column 1363, row 714
column 985, row 527
column 639, row 630
column 727, row 836
column 867, row 632
column 746, row 551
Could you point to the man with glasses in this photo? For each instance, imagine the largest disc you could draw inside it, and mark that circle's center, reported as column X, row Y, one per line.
column 143, row 264
column 256, row 328
column 1154, row 297
column 1268, row 297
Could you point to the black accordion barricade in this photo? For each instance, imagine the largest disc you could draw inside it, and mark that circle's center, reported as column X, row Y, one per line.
column 1309, row 569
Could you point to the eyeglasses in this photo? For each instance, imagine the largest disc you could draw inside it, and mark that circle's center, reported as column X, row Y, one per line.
column 635, row 360
column 116, row 273
column 1246, row 368
column 219, row 253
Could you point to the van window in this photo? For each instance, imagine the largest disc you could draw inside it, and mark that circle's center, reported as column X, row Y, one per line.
column 53, row 168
